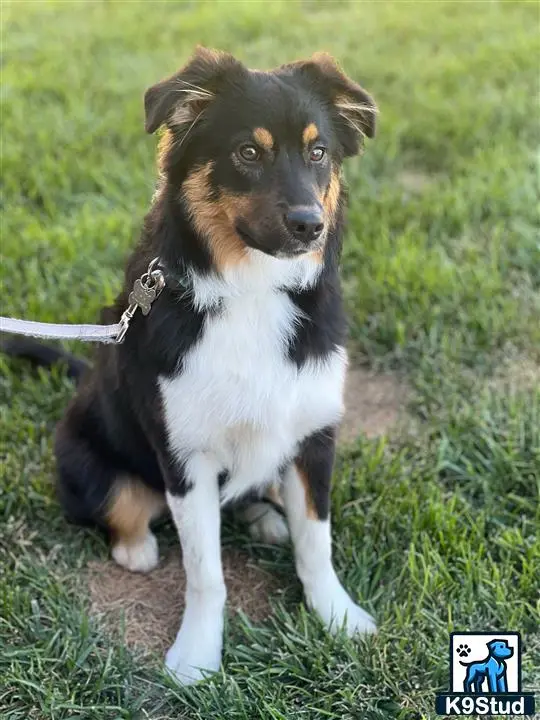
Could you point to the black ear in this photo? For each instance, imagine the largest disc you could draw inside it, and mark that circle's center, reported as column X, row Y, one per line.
column 183, row 97
column 355, row 108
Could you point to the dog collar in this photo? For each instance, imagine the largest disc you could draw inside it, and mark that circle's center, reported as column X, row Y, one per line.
column 182, row 278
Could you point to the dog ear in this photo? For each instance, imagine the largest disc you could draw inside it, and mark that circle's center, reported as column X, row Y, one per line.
column 356, row 109
column 183, row 97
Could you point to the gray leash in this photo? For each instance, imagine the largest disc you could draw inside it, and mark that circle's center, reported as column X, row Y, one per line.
column 145, row 290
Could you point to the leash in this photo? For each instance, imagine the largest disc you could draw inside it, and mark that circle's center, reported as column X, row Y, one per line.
column 145, row 290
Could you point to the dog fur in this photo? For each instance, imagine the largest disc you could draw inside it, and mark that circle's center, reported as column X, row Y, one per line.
column 232, row 386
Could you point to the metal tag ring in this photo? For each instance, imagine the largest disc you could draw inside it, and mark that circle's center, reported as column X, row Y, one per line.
column 152, row 274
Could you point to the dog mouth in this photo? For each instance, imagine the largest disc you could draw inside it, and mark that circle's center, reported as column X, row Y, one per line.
column 283, row 251
column 253, row 243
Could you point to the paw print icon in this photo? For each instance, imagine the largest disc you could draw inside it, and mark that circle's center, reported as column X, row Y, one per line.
column 463, row 651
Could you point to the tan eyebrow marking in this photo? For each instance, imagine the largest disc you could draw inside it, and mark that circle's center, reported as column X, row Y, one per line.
column 311, row 133
column 264, row 138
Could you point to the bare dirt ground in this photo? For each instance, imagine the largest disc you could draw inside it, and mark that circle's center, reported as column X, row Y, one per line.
column 517, row 373
column 152, row 604
column 373, row 403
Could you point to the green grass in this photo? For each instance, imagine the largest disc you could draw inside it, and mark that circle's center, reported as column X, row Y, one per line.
column 436, row 529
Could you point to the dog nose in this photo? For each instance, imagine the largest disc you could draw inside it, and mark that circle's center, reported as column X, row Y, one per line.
column 305, row 223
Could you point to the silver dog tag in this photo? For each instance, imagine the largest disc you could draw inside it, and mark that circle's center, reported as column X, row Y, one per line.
column 145, row 290
column 142, row 296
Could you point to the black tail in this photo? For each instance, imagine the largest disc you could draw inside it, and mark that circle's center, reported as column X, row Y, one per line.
column 42, row 355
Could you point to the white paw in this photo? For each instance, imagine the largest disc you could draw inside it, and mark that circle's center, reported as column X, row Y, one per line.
column 190, row 664
column 142, row 556
column 266, row 524
column 355, row 621
column 187, row 668
column 337, row 610
column 196, row 652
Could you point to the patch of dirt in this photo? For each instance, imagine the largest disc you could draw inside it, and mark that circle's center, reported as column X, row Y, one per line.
column 152, row 604
column 517, row 373
column 374, row 403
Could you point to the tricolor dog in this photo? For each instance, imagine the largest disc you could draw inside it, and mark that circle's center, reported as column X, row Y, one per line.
column 231, row 386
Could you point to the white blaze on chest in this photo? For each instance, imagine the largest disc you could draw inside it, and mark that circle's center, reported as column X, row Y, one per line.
column 240, row 398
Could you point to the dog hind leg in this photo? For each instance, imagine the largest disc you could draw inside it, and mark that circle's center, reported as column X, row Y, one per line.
column 131, row 506
column 265, row 517
column 478, row 684
column 92, row 491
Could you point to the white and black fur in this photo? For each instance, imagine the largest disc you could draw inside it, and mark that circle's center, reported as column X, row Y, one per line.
column 233, row 384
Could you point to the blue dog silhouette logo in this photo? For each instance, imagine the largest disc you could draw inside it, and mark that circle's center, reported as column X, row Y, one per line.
column 492, row 668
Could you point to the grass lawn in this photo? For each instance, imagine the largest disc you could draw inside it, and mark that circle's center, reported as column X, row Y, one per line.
column 436, row 527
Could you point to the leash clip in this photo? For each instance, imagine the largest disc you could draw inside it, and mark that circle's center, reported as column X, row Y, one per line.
column 145, row 290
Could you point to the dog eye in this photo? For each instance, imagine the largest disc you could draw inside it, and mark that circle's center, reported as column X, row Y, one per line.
column 249, row 153
column 317, row 154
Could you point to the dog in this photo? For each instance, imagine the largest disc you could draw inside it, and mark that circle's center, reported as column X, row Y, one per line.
column 493, row 669
column 231, row 385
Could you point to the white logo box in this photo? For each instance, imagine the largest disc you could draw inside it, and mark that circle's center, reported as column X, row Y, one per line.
column 477, row 642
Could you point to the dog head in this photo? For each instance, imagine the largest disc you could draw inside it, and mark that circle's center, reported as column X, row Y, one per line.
column 256, row 155
column 500, row 650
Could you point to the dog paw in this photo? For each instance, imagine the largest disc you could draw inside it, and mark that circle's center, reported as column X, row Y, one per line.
column 189, row 665
column 354, row 620
column 141, row 556
column 196, row 652
column 338, row 611
column 266, row 524
column 463, row 651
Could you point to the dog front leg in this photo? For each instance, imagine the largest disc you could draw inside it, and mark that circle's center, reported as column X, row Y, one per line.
column 306, row 493
column 193, row 498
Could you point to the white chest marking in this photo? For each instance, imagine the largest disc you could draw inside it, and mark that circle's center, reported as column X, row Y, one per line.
column 239, row 398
